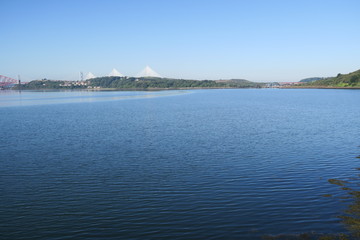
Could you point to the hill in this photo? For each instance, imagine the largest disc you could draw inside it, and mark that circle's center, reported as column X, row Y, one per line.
column 341, row 80
column 115, row 82
column 310, row 79
column 167, row 83
column 51, row 84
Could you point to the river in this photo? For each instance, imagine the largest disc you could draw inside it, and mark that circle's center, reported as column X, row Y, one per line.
column 196, row 164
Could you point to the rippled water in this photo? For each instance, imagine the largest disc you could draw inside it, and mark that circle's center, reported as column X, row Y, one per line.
column 207, row 164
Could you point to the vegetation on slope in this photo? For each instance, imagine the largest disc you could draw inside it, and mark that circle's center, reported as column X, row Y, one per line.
column 310, row 79
column 341, row 80
column 138, row 83
column 50, row 84
column 166, row 83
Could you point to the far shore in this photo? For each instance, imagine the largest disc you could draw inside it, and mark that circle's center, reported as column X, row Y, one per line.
column 316, row 87
column 127, row 89
column 184, row 88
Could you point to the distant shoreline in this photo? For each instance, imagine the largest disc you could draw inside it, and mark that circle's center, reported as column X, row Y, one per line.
column 163, row 89
column 317, row 87
column 180, row 88
column 184, row 88
column 127, row 89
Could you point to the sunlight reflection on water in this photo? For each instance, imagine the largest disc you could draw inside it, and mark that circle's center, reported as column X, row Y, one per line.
column 28, row 98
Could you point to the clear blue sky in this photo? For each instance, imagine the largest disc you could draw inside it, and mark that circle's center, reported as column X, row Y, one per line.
column 258, row 40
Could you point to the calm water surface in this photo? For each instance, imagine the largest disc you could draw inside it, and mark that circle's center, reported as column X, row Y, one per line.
column 207, row 164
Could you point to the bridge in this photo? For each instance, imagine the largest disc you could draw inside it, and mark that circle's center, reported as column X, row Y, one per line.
column 7, row 82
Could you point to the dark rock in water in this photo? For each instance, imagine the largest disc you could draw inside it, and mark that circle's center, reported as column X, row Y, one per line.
column 337, row 182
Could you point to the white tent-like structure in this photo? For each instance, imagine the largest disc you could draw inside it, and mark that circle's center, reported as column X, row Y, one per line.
column 148, row 72
column 115, row 73
column 90, row 76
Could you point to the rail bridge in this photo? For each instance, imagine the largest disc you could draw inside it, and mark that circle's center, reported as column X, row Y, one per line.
column 7, row 82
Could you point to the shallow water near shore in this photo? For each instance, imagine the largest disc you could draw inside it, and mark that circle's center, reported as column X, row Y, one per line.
column 197, row 164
